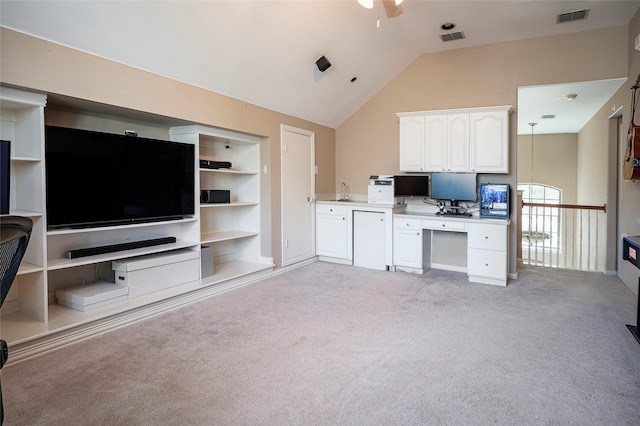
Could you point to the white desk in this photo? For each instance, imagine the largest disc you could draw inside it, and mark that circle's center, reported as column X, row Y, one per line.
column 486, row 244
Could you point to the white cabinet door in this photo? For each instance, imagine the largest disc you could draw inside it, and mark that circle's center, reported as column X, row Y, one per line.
column 412, row 143
column 369, row 240
column 458, row 143
column 487, row 263
column 435, row 144
column 446, row 145
column 407, row 248
column 331, row 236
column 489, row 141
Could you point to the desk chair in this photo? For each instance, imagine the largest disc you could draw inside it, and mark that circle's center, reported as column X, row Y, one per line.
column 14, row 237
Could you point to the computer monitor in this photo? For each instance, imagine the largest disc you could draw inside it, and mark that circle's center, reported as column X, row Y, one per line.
column 495, row 200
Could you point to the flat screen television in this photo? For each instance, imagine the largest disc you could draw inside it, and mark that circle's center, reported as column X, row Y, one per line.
column 494, row 200
column 411, row 186
column 454, row 187
column 99, row 179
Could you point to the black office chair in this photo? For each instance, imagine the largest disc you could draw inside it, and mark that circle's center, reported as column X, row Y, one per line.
column 14, row 238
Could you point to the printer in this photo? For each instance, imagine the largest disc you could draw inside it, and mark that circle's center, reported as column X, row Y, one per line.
column 381, row 190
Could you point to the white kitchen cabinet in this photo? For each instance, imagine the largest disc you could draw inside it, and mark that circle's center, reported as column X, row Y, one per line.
column 487, row 253
column 412, row 143
column 408, row 244
column 465, row 140
column 489, row 141
column 332, row 232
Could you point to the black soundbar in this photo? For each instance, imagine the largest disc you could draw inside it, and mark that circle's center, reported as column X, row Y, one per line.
column 92, row 251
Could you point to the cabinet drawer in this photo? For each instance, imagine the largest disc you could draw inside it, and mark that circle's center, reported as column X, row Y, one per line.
column 331, row 209
column 444, row 225
column 407, row 224
column 488, row 237
column 487, row 263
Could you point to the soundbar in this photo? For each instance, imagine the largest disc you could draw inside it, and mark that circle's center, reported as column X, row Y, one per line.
column 92, row 251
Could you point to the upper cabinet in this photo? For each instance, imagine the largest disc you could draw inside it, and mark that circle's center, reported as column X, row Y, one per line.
column 467, row 140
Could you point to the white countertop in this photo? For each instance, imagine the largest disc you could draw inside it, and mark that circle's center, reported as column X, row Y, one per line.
column 361, row 204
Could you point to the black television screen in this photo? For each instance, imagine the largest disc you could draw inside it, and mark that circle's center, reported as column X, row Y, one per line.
column 411, row 186
column 99, row 179
column 454, row 186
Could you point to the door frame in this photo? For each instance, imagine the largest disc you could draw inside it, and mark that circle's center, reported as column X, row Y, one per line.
column 286, row 128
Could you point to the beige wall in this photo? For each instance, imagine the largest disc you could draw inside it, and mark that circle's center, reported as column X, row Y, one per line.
column 39, row 65
column 555, row 162
column 629, row 214
column 473, row 77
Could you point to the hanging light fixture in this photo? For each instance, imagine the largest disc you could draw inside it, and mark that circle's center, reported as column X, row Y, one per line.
column 367, row 4
column 531, row 171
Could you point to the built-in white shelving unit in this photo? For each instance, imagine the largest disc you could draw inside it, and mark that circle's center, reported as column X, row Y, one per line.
column 232, row 229
column 32, row 320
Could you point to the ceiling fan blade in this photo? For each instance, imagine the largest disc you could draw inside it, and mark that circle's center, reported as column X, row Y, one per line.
column 391, row 9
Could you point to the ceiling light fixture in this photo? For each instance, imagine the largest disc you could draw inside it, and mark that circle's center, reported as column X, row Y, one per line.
column 571, row 96
column 367, row 4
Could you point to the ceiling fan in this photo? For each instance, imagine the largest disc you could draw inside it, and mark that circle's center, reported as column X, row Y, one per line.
column 392, row 8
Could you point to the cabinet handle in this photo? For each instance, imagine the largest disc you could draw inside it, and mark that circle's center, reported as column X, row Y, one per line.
column 486, row 237
column 486, row 264
column 344, row 218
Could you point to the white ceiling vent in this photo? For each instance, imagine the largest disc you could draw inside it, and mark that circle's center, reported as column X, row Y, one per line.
column 459, row 35
column 548, row 116
column 576, row 15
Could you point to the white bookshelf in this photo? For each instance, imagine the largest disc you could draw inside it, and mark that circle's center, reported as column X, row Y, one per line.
column 232, row 229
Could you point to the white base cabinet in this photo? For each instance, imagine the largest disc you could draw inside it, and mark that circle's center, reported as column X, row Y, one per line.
column 415, row 246
column 332, row 232
column 487, row 253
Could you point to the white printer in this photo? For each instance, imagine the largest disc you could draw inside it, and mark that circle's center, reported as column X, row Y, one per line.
column 381, row 189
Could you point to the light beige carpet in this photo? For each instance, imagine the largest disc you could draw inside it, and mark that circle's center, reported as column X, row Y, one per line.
column 332, row 344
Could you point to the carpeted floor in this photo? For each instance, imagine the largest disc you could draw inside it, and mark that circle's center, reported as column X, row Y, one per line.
column 332, row 344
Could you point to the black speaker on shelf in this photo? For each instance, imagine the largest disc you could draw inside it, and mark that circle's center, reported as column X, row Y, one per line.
column 212, row 196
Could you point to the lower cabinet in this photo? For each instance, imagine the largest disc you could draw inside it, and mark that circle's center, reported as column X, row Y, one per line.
column 487, row 253
column 407, row 243
column 332, row 232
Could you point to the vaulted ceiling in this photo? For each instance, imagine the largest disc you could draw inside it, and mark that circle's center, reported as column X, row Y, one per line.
column 264, row 52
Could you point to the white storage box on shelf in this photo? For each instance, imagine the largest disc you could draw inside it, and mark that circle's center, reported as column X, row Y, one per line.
column 91, row 296
column 146, row 274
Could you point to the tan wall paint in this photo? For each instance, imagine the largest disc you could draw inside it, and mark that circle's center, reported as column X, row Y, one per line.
column 39, row 65
column 473, row 77
column 629, row 213
column 555, row 162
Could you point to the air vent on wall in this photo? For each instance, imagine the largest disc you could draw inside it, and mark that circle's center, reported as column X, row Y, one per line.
column 459, row 35
column 576, row 15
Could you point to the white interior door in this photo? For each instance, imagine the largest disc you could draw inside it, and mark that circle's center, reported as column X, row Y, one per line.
column 298, row 192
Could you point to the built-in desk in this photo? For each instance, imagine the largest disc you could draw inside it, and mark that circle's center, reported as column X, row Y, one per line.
column 416, row 245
